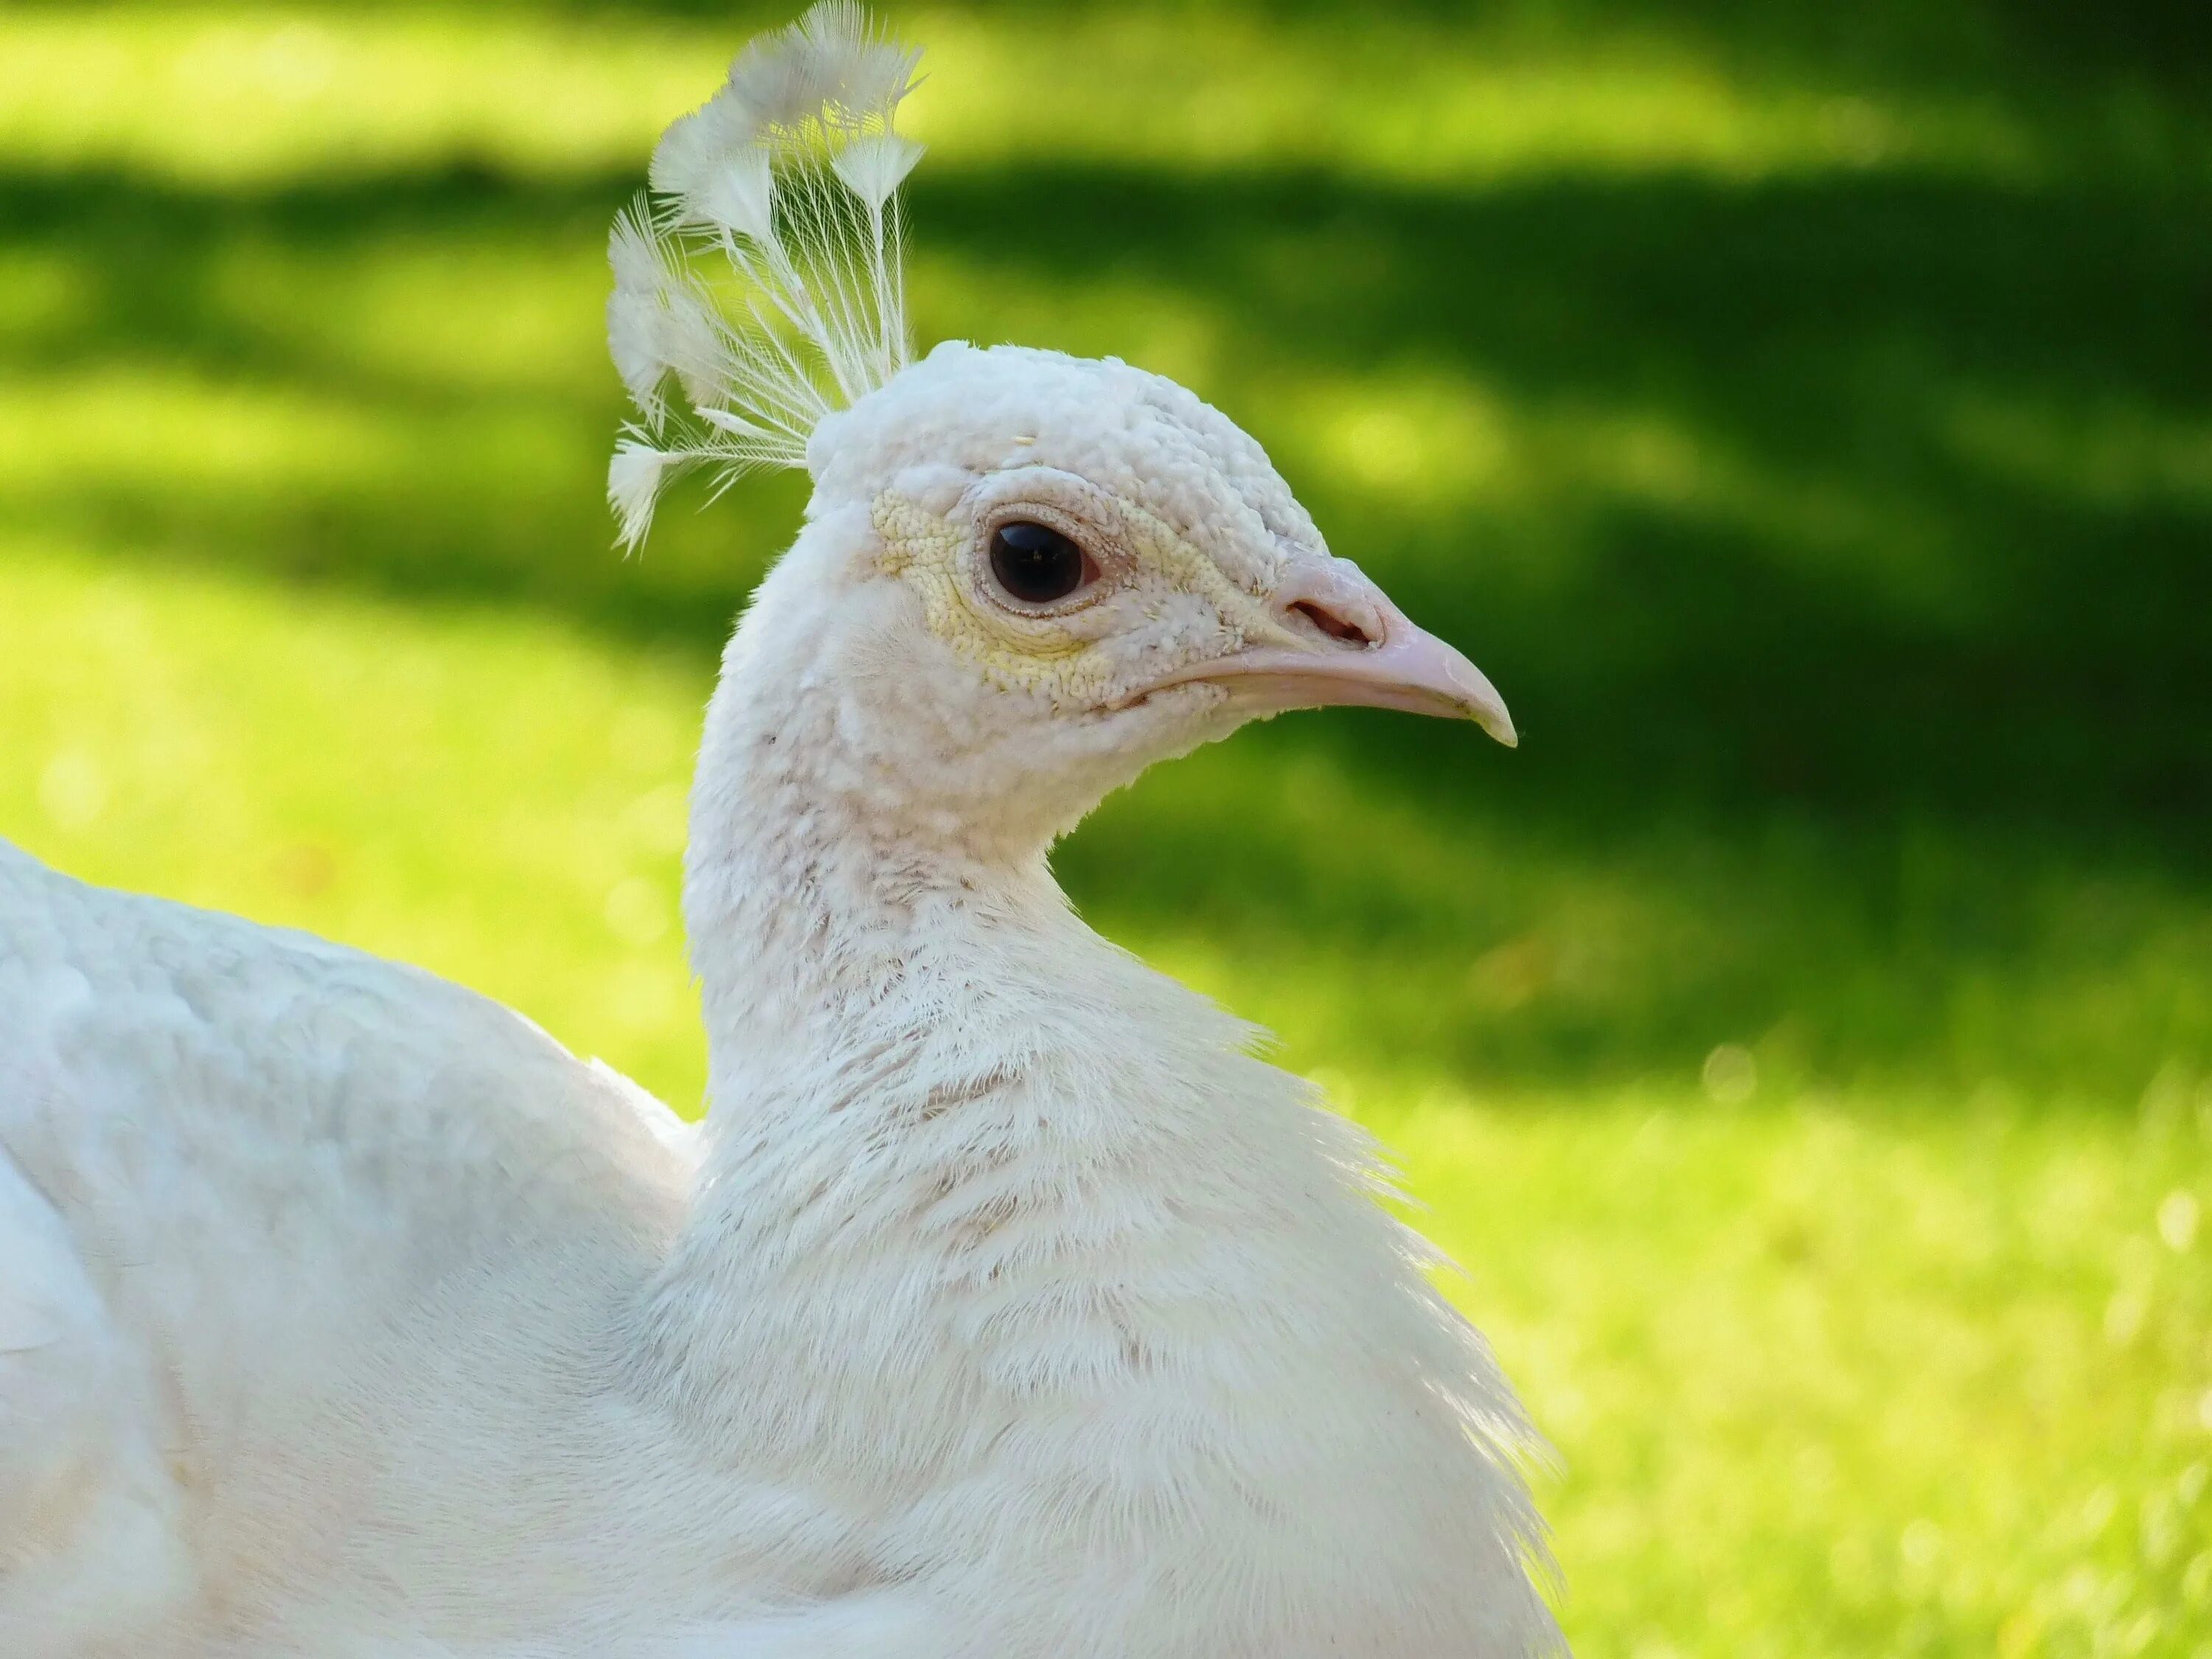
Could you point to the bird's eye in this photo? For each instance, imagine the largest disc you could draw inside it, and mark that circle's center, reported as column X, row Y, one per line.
column 1035, row 563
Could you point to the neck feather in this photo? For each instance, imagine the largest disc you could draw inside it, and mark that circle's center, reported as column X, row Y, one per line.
column 983, row 1195
column 899, row 1014
column 821, row 915
column 912, row 1042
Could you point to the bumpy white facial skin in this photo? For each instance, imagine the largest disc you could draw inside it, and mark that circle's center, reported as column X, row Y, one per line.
column 1190, row 528
column 1159, row 601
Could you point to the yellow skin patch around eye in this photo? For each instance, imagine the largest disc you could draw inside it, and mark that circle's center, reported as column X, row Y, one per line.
column 1048, row 654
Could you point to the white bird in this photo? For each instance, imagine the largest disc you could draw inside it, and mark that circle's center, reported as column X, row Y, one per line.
column 1005, row 1306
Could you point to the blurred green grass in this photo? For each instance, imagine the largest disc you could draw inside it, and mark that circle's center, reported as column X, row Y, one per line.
column 1806, row 414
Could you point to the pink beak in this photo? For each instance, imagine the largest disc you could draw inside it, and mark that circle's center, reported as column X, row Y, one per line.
column 1364, row 651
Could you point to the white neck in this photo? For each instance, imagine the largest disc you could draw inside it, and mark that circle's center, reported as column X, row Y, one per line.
column 983, row 1195
column 875, row 983
column 812, row 906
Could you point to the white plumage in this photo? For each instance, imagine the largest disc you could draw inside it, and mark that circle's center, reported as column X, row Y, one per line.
column 1004, row 1308
column 790, row 173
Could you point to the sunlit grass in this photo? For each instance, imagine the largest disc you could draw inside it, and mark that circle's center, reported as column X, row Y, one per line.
column 489, row 795
column 236, row 93
column 1847, row 1383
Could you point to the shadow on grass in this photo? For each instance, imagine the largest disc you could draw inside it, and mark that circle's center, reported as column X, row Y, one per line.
column 1975, row 637
column 1881, row 606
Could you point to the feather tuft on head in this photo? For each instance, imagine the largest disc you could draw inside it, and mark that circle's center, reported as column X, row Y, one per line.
column 790, row 173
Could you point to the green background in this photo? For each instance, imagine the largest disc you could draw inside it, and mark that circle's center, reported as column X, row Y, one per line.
column 1803, row 411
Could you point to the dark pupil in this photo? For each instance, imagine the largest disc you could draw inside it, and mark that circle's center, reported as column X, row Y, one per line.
column 1034, row 564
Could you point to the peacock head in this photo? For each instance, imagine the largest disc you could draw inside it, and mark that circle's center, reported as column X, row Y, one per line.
column 1028, row 575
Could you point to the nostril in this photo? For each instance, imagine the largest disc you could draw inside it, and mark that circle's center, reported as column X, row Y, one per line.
column 1336, row 627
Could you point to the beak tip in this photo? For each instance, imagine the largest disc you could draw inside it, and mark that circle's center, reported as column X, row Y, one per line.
column 1487, row 710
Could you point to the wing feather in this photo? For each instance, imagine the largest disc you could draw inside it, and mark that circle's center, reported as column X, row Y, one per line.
column 261, row 1145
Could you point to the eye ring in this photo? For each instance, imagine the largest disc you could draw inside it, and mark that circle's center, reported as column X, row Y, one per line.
column 1036, row 565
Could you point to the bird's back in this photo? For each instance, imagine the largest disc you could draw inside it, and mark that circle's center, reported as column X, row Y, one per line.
column 239, row 1168
column 196, row 1091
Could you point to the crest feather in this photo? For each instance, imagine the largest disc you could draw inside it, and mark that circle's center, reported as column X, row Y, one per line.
column 790, row 173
